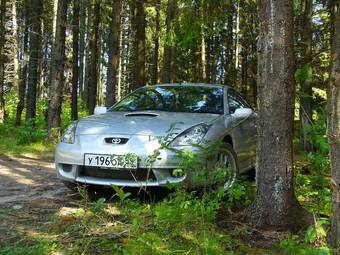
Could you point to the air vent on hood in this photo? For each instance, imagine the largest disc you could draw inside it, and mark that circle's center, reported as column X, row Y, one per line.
column 141, row 114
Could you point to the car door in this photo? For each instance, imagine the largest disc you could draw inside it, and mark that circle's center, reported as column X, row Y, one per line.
column 243, row 130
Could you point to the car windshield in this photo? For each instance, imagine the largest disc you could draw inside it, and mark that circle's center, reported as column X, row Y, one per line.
column 195, row 99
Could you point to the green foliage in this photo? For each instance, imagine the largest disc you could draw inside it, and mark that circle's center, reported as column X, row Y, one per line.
column 294, row 246
column 317, row 234
column 305, row 73
column 120, row 193
column 28, row 134
column 29, row 248
column 314, row 186
column 97, row 207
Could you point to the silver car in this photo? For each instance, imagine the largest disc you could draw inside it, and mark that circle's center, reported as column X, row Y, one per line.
column 114, row 146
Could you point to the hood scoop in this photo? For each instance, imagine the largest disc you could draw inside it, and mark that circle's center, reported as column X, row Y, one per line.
column 141, row 114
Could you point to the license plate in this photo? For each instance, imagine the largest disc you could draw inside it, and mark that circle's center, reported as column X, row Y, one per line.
column 111, row 161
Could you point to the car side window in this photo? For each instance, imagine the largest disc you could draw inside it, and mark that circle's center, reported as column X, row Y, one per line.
column 235, row 101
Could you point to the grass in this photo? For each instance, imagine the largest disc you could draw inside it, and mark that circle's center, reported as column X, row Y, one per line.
column 177, row 223
column 22, row 142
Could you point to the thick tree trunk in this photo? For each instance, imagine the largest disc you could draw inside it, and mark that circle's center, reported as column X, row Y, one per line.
column 23, row 75
column 114, row 54
column 275, row 204
column 334, row 127
column 57, row 68
column 306, row 82
column 154, row 78
column 35, row 9
column 2, row 59
column 94, row 56
column 169, row 47
column 138, row 25
column 75, row 59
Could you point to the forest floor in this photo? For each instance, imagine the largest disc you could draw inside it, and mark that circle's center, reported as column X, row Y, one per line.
column 38, row 215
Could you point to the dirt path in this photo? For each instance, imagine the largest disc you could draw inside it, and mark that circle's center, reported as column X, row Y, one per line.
column 23, row 179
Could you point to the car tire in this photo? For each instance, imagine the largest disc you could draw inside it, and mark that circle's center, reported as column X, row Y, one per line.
column 227, row 158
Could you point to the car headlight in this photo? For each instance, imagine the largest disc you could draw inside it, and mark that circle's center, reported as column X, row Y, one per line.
column 193, row 135
column 69, row 134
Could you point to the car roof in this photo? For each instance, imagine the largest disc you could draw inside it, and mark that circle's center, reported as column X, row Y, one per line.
column 190, row 85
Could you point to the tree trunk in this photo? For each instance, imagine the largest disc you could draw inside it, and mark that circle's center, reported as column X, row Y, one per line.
column 94, row 58
column 88, row 47
column 229, row 63
column 125, row 50
column 203, row 62
column 75, row 60
column 54, row 20
column 306, row 82
column 23, row 75
column 154, row 78
column 57, row 68
column 169, row 47
column 82, row 28
column 2, row 59
column 16, row 45
column 35, row 10
column 114, row 54
column 138, row 25
column 333, row 131
column 275, row 204
column 237, row 41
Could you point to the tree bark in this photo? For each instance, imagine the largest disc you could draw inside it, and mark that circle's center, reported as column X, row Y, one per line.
column 229, row 62
column 169, row 47
column 82, row 28
column 275, row 204
column 88, row 48
column 35, row 9
column 23, row 74
column 75, row 60
column 94, row 58
column 154, row 78
column 2, row 60
column 203, row 62
column 306, row 82
column 114, row 54
column 333, row 131
column 57, row 68
column 16, row 45
column 138, row 25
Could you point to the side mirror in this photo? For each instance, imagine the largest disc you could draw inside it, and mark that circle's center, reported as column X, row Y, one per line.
column 241, row 113
column 100, row 110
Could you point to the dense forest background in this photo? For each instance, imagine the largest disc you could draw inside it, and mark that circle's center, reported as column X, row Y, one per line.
column 103, row 49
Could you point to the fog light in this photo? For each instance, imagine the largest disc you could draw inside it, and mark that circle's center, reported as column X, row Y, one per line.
column 66, row 167
column 177, row 173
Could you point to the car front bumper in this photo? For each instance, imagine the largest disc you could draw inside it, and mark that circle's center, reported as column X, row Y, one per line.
column 69, row 160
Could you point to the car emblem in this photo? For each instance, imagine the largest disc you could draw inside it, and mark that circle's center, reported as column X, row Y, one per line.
column 116, row 140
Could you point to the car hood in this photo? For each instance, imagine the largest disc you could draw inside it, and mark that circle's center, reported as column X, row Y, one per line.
column 152, row 123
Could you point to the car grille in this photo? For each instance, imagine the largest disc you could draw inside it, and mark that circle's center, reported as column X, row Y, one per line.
column 140, row 174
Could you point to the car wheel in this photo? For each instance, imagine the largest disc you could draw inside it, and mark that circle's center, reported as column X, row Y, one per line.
column 227, row 159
